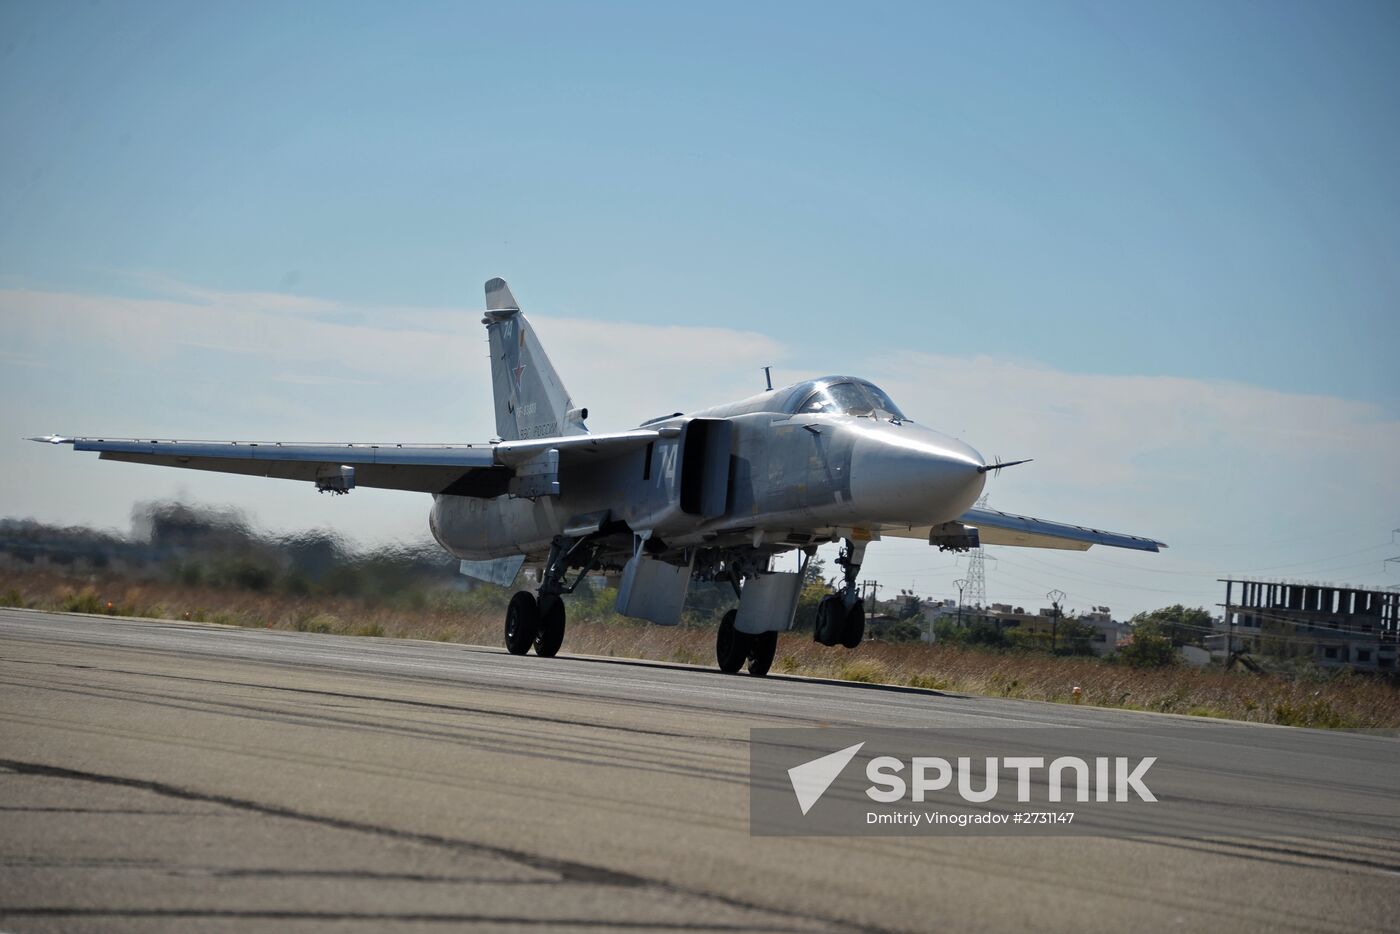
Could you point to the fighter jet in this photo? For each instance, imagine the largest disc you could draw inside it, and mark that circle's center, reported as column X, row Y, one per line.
column 714, row 495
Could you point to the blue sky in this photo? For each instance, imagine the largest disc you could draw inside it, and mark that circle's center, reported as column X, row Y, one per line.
column 1201, row 192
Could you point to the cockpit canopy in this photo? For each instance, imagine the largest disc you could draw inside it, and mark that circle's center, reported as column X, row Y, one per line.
column 846, row 396
column 832, row 395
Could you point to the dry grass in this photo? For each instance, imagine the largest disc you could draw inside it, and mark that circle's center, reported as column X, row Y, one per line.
column 1352, row 701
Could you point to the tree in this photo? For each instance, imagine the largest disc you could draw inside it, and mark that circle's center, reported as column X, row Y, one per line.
column 1150, row 647
column 1074, row 637
column 979, row 632
column 806, row 617
column 900, row 630
column 1179, row 624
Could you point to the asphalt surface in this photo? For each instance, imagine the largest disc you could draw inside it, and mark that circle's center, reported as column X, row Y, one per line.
column 173, row 776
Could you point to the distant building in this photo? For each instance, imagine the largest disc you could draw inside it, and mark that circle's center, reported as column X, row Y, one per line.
column 1006, row 616
column 931, row 611
column 1332, row 626
column 1108, row 634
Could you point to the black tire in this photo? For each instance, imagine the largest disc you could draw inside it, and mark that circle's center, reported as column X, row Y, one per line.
column 830, row 620
column 551, row 634
column 854, row 629
column 762, row 648
column 731, row 645
column 522, row 623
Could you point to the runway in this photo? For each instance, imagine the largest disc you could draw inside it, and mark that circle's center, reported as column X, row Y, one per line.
column 158, row 775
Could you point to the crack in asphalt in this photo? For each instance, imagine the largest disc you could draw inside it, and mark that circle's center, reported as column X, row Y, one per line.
column 568, row 871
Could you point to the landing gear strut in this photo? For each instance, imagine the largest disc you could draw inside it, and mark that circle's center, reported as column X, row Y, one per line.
column 539, row 622
column 841, row 616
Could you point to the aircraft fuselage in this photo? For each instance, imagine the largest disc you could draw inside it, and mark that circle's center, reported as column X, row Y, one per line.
column 802, row 473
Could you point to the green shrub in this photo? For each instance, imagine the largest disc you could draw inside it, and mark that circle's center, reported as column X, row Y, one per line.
column 865, row 672
column 1150, row 648
column 320, row 622
column 928, row 682
column 84, row 601
column 1314, row 712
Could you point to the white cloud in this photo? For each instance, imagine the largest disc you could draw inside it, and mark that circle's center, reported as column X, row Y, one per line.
column 617, row 369
column 1218, row 470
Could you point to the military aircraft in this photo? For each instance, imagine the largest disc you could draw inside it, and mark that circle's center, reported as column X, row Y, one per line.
column 713, row 495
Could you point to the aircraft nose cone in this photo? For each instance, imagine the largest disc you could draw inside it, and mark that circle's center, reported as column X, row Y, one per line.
column 908, row 474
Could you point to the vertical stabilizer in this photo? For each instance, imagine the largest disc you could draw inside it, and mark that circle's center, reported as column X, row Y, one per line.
column 531, row 401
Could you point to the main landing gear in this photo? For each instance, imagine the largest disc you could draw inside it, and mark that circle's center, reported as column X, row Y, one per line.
column 733, row 648
column 841, row 616
column 539, row 622
column 535, row 622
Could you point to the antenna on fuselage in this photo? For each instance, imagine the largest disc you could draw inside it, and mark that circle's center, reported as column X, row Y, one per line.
column 768, row 375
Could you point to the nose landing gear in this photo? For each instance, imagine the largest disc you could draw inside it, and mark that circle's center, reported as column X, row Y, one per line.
column 838, row 624
column 841, row 616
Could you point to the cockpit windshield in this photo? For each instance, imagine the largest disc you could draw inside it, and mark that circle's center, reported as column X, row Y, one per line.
column 851, row 398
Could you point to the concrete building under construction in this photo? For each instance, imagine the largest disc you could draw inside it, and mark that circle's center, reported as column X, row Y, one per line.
column 1333, row 626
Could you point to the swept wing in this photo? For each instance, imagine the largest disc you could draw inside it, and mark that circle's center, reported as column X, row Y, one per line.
column 1004, row 528
column 462, row 469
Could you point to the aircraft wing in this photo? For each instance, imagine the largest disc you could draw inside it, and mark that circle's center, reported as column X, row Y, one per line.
column 462, row 469
column 1004, row 528
column 426, row 468
column 513, row 453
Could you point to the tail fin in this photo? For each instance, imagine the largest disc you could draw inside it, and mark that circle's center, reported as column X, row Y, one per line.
column 531, row 402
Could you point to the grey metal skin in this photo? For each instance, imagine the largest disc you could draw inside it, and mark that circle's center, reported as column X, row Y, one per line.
column 712, row 495
column 795, row 479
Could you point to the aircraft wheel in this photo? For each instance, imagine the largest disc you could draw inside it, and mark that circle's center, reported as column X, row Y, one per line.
column 551, row 632
column 731, row 645
column 854, row 629
column 522, row 623
column 831, row 617
column 764, row 646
